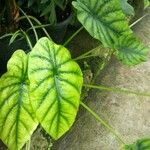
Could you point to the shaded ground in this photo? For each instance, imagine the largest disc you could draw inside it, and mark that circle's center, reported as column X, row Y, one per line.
column 128, row 114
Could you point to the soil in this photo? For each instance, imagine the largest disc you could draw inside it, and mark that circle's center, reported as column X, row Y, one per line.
column 127, row 113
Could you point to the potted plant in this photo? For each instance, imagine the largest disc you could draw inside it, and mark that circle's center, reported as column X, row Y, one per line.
column 43, row 86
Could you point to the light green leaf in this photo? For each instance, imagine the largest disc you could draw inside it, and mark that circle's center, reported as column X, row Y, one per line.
column 17, row 122
column 55, row 86
column 127, row 8
column 142, row 144
column 130, row 50
column 146, row 3
column 103, row 19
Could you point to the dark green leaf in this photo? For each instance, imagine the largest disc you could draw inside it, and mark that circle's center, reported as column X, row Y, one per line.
column 103, row 19
column 130, row 50
column 47, row 10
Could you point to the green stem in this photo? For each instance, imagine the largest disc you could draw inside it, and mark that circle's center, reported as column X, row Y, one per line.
column 28, row 145
column 104, row 123
column 73, row 36
column 102, row 65
column 39, row 26
column 35, row 33
column 28, row 40
column 6, row 35
column 116, row 90
column 86, row 57
column 39, row 23
column 87, row 53
column 134, row 23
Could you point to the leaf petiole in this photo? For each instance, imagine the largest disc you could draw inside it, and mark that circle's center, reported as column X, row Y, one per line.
column 121, row 90
column 104, row 123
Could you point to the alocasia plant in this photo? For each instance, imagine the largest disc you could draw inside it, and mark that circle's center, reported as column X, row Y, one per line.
column 44, row 86
column 41, row 87
column 105, row 21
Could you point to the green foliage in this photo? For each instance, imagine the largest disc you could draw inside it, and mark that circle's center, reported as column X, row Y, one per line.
column 104, row 20
column 55, row 86
column 17, row 122
column 142, row 144
column 44, row 85
column 130, row 50
column 127, row 8
column 46, row 8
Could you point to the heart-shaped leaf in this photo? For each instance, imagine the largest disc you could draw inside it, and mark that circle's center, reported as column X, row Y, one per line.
column 130, row 50
column 103, row 19
column 142, row 144
column 55, row 82
column 17, row 121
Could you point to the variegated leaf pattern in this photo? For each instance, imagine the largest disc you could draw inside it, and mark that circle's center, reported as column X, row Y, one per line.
column 17, row 121
column 130, row 50
column 55, row 86
column 103, row 19
column 142, row 144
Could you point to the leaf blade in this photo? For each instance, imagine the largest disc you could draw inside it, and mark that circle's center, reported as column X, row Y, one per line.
column 104, row 19
column 56, row 91
column 130, row 50
column 17, row 121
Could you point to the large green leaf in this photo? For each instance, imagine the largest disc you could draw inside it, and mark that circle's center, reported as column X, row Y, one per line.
column 55, row 82
column 142, row 144
column 103, row 19
column 17, row 122
column 130, row 50
column 127, row 8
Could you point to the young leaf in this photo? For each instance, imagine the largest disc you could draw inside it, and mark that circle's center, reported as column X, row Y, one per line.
column 17, row 122
column 55, row 86
column 103, row 19
column 127, row 8
column 130, row 50
column 142, row 144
